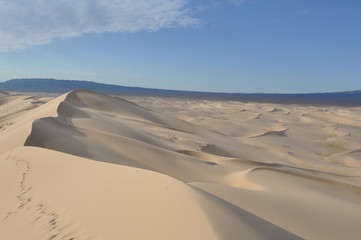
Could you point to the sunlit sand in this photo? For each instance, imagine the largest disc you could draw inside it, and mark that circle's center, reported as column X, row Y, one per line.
column 90, row 166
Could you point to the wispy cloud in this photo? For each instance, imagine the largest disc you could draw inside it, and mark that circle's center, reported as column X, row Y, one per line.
column 305, row 12
column 236, row 2
column 33, row 22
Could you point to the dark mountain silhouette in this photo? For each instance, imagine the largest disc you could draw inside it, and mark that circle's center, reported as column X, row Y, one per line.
column 350, row 98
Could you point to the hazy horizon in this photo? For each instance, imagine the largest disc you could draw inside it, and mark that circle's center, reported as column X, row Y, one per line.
column 79, row 80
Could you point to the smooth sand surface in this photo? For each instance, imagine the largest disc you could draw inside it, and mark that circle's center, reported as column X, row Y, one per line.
column 91, row 166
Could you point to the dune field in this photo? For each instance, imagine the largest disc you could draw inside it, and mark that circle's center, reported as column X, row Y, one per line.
column 90, row 166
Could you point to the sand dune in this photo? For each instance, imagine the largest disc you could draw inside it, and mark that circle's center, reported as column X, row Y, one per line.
column 90, row 166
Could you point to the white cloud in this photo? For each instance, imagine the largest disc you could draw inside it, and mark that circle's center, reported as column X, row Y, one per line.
column 33, row 22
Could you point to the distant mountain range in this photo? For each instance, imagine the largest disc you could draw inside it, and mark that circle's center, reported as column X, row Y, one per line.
column 350, row 98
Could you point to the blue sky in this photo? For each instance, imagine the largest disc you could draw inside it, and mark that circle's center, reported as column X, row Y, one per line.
column 287, row 46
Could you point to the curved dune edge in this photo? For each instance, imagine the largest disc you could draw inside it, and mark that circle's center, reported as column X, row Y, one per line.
column 16, row 134
column 281, row 132
column 62, row 195
column 92, row 160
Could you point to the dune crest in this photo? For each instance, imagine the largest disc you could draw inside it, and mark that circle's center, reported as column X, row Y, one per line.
column 90, row 166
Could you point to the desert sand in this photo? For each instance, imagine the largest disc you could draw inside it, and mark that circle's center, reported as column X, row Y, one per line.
column 90, row 166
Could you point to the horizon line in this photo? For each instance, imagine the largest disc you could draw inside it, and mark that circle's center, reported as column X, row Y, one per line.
column 180, row 90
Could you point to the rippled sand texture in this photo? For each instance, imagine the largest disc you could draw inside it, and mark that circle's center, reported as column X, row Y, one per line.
column 90, row 166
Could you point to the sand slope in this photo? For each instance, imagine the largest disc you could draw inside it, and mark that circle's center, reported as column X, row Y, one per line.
column 90, row 166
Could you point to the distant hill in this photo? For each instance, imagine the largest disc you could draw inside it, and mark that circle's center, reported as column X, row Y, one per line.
column 62, row 86
column 351, row 98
